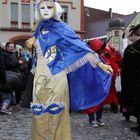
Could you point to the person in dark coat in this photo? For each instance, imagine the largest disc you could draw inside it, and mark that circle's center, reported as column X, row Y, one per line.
column 13, row 76
column 130, row 96
column 2, row 68
column 11, row 60
column 5, row 94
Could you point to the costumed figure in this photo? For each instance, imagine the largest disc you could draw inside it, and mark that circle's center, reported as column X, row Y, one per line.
column 65, row 65
column 112, row 58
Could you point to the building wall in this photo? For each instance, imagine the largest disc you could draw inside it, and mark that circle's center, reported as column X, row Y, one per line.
column 136, row 20
column 5, row 15
column 74, row 12
column 6, row 36
column 116, row 41
column 6, row 31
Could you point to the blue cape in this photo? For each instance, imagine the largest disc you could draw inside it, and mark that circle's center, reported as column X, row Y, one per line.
column 89, row 86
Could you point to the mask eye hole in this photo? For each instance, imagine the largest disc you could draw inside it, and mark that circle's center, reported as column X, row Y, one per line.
column 42, row 7
column 50, row 7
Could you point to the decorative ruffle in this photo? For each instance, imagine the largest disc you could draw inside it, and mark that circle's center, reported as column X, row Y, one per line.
column 91, row 58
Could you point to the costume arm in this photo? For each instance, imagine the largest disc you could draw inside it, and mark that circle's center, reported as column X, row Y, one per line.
column 96, row 61
column 105, row 67
column 29, row 43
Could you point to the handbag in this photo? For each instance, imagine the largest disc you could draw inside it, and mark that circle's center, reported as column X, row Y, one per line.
column 12, row 74
column 118, row 81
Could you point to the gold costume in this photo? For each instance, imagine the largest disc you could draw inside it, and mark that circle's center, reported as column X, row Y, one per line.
column 50, row 89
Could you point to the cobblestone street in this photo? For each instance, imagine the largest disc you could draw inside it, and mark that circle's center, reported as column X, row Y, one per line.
column 18, row 127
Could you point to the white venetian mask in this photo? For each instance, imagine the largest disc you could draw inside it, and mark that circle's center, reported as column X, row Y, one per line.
column 46, row 10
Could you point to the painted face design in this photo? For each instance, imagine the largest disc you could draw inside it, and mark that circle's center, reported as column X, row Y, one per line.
column 46, row 10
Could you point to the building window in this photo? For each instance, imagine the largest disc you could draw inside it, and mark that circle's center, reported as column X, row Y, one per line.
column 14, row 15
column 117, row 40
column 34, row 12
column 25, row 13
column 116, row 33
column 64, row 16
column 14, row 12
column 25, row 16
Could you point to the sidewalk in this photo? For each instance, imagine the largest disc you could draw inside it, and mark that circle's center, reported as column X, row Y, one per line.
column 18, row 127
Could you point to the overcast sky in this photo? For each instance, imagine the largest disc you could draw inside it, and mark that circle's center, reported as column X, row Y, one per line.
column 118, row 6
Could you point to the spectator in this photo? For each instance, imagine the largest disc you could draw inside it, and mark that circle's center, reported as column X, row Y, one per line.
column 130, row 96
column 5, row 94
column 2, row 68
column 13, row 76
column 24, row 68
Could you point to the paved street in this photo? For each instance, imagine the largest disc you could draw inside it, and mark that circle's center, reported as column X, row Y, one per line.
column 18, row 127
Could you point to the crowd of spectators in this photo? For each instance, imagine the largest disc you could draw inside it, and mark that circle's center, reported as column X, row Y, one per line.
column 15, row 65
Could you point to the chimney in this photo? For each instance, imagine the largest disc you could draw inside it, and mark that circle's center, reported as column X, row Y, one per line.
column 110, row 13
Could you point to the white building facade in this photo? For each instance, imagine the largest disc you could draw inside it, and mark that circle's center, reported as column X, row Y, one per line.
column 17, row 17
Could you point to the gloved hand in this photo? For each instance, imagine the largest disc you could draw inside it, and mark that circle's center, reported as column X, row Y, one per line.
column 105, row 67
